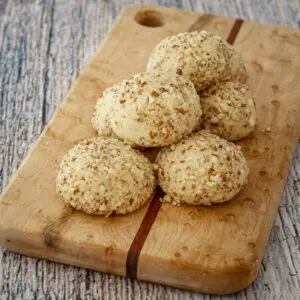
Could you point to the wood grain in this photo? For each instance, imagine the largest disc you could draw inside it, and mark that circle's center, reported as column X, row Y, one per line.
column 21, row 124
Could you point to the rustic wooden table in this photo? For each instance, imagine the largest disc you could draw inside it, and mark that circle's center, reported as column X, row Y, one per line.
column 43, row 47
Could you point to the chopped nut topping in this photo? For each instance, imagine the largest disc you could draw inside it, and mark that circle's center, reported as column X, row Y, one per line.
column 179, row 72
column 180, row 110
column 154, row 94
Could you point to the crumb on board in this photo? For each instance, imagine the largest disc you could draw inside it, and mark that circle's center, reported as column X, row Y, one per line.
column 267, row 129
column 168, row 199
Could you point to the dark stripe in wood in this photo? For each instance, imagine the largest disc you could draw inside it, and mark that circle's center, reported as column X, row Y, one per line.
column 234, row 31
column 141, row 235
column 153, row 209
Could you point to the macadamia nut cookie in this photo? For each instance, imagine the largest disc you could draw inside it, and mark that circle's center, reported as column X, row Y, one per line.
column 104, row 176
column 201, row 169
column 155, row 110
column 228, row 110
column 198, row 55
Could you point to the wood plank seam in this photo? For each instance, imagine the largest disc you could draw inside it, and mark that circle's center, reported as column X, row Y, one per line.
column 154, row 207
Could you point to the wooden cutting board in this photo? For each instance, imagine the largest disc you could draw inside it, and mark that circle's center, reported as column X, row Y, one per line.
column 214, row 249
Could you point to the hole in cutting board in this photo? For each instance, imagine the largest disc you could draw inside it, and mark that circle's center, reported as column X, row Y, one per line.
column 149, row 18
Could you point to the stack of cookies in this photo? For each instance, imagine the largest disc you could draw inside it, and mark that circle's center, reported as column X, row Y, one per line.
column 190, row 103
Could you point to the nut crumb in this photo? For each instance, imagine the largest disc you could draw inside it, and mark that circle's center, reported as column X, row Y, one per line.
column 154, row 94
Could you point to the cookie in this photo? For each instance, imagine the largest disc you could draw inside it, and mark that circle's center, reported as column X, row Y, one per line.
column 235, row 67
column 154, row 110
column 198, row 55
column 228, row 110
column 201, row 169
column 202, row 56
column 104, row 176
column 101, row 117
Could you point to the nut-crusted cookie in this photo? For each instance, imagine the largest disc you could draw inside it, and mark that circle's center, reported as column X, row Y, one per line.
column 235, row 69
column 101, row 117
column 228, row 110
column 104, row 176
column 235, row 66
column 199, row 55
column 203, row 56
column 154, row 109
column 201, row 169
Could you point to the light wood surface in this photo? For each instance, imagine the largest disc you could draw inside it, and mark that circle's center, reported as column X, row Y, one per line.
column 53, row 238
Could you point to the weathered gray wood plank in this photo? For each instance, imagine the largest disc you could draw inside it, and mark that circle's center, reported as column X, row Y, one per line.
column 43, row 47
